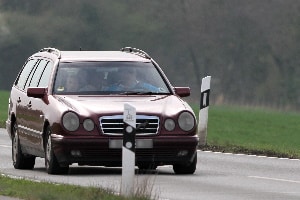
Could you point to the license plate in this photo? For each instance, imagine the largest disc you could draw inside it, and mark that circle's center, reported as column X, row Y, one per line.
column 139, row 144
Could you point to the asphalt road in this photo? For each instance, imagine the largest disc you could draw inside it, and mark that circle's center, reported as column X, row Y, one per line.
column 218, row 176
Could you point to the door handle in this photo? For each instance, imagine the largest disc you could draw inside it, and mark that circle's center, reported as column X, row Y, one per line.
column 19, row 100
column 29, row 104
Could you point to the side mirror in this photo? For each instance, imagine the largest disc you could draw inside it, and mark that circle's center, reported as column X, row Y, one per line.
column 36, row 92
column 183, row 91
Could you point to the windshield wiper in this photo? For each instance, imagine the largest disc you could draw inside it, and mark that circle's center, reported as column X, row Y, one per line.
column 134, row 93
column 141, row 93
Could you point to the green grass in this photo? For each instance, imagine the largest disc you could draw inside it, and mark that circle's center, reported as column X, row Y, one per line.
column 3, row 107
column 254, row 131
column 26, row 189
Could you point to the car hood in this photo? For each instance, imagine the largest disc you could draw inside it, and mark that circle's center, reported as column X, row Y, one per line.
column 167, row 105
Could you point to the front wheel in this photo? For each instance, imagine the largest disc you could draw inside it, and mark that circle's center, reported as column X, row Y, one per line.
column 20, row 160
column 51, row 164
column 187, row 168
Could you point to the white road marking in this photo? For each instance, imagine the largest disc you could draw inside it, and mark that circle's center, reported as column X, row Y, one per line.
column 275, row 179
column 258, row 156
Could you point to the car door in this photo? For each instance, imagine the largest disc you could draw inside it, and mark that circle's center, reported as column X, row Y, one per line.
column 36, row 107
column 19, row 98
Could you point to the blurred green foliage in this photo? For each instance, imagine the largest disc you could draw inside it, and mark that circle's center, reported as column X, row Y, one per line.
column 250, row 48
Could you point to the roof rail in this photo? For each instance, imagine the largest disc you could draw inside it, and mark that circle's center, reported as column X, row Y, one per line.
column 136, row 51
column 51, row 50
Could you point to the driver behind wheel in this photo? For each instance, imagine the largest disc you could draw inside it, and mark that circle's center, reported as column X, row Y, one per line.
column 128, row 81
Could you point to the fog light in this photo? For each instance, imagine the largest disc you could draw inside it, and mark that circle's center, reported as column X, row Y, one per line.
column 182, row 153
column 76, row 153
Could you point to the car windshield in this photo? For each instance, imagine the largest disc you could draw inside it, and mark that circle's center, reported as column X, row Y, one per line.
column 96, row 78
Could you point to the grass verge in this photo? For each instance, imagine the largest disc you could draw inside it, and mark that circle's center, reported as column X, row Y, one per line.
column 3, row 107
column 253, row 131
column 30, row 190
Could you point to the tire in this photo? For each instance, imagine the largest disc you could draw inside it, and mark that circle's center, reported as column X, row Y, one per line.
column 187, row 168
column 20, row 160
column 51, row 163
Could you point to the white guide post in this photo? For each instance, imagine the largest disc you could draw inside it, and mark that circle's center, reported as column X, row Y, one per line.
column 203, row 113
column 128, row 150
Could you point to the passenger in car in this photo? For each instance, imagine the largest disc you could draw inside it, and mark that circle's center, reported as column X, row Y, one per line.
column 95, row 81
column 85, row 81
column 72, row 84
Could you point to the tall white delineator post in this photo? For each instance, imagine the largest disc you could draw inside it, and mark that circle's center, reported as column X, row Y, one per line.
column 128, row 150
column 203, row 112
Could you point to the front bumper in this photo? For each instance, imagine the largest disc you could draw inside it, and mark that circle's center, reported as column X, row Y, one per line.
column 165, row 150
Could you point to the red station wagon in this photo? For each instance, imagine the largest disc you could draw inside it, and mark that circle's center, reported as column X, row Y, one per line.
column 67, row 107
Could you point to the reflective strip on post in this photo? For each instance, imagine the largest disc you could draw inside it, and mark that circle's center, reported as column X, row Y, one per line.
column 203, row 113
column 128, row 150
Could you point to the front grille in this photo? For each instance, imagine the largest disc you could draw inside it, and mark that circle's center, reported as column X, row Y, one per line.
column 113, row 125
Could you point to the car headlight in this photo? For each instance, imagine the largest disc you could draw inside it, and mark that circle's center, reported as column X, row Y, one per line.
column 169, row 124
column 186, row 121
column 88, row 124
column 70, row 121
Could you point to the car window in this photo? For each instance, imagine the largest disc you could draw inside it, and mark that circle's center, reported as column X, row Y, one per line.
column 44, row 81
column 37, row 74
column 109, row 78
column 24, row 75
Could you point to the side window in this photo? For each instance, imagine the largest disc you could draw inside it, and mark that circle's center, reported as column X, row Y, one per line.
column 44, row 81
column 24, row 75
column 37, row 74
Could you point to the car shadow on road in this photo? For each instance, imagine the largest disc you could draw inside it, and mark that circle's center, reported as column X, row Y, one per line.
column 99, row 170
column 109, row 171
